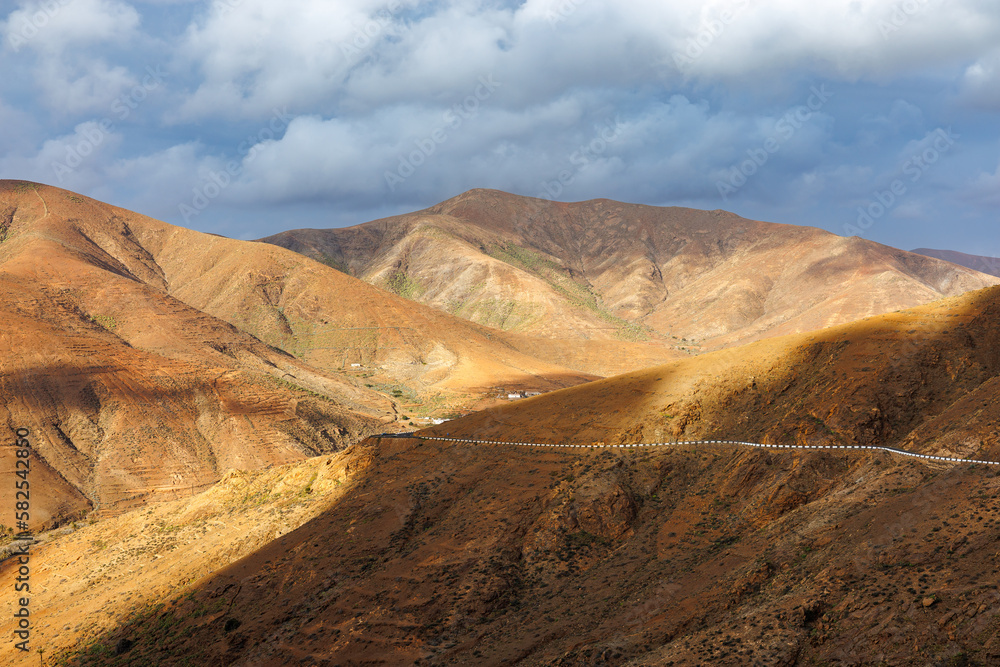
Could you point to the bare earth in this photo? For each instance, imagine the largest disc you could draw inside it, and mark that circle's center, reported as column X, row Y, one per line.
column 445, row 553
column 604, row 270
column 217, row 402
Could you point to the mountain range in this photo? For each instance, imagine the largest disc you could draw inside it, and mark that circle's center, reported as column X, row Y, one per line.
column 697, row 280
column 470, row 552
column 989, row 265
column 220, row 471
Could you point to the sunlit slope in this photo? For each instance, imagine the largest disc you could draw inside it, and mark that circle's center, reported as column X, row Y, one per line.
column 888, row 379
column 604, row 270
column 129, row 393
column 455, row 552
column 89, row 576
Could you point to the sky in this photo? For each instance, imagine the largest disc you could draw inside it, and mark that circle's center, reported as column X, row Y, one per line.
column 874, row 118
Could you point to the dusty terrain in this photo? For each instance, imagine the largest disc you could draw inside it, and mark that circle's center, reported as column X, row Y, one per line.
column 129, row 393
column 990, row 265
column 86, row 574
column 449, row 553
column 152, row 363
column 604, row 270
column 148, row 359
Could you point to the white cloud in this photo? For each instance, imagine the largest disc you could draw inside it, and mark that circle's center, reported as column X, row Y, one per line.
column 53, row 26
column 62, row 35
column 87, row 85
column 981, row 82
column 75, row 161
column 693, row 85
column 265, row 54
column 359, row 54
column 985, row 189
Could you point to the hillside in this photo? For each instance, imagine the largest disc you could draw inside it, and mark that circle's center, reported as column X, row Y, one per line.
column 129, row 393
column 147, row 360
column 990, row 265
column 336, row 323
column 452, row 552
column 604, row 270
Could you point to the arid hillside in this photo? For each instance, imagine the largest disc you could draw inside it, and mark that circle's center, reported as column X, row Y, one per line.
column 990, row 265
column 89, row 573
column 697, row 280
column 129, row 393
column 469, row 553
column 147, row 359
column 335, row 322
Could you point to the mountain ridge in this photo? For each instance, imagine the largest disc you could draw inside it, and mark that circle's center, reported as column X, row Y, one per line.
column 990, row 265
column 600, row 269
column 495, row 554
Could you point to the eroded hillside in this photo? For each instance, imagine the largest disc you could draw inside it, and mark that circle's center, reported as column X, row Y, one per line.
column 604, row 270
column 129, row 393
column 468, row 553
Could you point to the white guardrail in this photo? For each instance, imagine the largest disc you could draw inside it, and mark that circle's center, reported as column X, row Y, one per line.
column 891, row 450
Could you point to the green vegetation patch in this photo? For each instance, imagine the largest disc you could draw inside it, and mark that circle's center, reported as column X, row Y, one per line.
column 400, row 283
column 576, row 293
column 106, row 321
column 333, row 263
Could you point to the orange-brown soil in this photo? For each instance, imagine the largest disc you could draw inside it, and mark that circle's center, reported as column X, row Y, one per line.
column 454, row 553
column 147, row 360
column 129, row 393
column 686, row 279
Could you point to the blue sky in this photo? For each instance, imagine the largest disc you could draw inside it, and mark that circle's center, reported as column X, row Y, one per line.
column 246, row 117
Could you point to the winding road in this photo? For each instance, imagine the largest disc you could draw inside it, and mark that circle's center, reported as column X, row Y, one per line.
column 891, row 450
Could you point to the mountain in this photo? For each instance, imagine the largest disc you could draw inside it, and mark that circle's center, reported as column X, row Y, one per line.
column 443, row 552
column 147, row 359
column 129, row 393
column 600, row 270
column 989, row 265
column 335, row 322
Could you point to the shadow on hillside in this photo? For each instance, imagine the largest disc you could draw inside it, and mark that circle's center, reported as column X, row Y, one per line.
column 432, row 545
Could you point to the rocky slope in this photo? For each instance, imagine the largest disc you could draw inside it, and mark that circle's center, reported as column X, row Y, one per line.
column 90, row 573
column 147, row 359
column 454, row 553
column 990, row 265
column 129, row 393
column 606, row 270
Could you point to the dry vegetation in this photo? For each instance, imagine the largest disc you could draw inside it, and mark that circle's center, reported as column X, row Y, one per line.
column 199, row 391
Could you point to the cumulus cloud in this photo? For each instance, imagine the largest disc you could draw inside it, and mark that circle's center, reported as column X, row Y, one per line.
column 364, row 107
column 363, row 53
column 76, row 161
column 53, row 26
column 59, row 37
column 86, row 85
column 981, row 82
column 261, row 54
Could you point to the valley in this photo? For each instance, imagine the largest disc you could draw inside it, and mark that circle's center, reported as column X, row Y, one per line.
column 296, row 515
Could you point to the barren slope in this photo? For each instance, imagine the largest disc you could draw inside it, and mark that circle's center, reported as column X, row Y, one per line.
column 129, row 393
column 990, row 265
column 606, row 270
column 333, row 321
column 493, row 554
column 135, row 353
column 88, row 575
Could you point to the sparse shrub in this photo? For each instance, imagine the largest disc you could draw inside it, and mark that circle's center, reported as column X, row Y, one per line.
column 401, row 284
column 106, row 321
